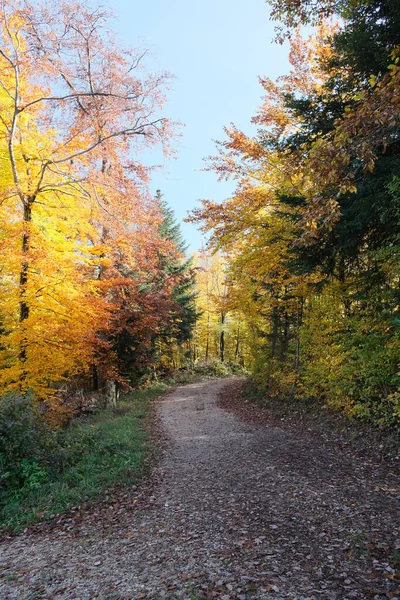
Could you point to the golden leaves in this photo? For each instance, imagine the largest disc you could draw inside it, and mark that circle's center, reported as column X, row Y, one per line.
column 78, row 234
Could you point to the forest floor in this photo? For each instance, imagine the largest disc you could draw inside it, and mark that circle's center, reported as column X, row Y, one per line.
column 239, row 507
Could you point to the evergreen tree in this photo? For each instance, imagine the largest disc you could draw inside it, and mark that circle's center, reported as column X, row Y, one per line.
column 174, row 339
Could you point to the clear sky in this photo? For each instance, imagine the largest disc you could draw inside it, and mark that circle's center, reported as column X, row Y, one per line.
column 216, row 49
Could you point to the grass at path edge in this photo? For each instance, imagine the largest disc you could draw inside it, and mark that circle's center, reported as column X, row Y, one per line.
column 93, row 455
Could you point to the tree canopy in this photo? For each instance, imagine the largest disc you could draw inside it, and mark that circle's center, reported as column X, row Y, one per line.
column 312, row 231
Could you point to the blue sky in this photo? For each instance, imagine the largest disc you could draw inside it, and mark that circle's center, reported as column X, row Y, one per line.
column 216, row 49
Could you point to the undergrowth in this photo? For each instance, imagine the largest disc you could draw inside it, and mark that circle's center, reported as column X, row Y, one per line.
column 205, row 370
column 322, row 417
column 45, row 473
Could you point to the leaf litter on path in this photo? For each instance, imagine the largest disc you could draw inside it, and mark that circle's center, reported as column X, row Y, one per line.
column 240, row 509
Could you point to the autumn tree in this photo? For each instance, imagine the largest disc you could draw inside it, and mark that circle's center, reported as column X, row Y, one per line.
column 157, row 307
column 175, row 337
column 312, row 230
column 75, row 111
column 220, row 333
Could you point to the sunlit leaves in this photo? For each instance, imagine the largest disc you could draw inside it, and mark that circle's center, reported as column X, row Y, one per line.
column 79, row 230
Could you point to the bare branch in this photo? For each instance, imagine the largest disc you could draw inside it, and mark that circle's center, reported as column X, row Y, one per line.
column 122, row 133
column 77, row 96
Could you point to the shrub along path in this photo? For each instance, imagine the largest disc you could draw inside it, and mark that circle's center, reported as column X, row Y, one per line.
column 241, row 510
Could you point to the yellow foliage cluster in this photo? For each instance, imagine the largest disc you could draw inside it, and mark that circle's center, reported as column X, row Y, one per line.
column 75, row 214
column 321, row 322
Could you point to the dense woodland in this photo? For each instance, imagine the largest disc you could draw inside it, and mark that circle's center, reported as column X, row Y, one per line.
column 311, row 236
column 299, row 283
column 95, row 287
column 93, row 273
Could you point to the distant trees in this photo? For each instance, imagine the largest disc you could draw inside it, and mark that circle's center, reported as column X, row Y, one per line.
column 219, row 333
column 173, row 343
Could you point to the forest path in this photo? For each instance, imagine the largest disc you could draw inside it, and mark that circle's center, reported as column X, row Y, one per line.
column 240, row 511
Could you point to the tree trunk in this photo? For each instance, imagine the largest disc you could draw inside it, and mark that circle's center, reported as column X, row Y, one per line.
column 285, row 337
column 222, row 339
column 23, row 277
column 111, row 394
column 275, row 325
column 299, row 319
column 172, row 357
column 341, row 270
column 95, row 378
column 237, row 343
column 208, row 335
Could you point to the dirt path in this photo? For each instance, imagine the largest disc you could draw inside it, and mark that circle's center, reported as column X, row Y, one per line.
column 241, row 511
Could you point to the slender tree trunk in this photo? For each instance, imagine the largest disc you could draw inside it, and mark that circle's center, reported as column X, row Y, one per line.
column 222, row 339
column 275, row 326
column 299, row 319
column 24, row 273
column 297, row 359
column 298, row 325
column 95, row 378
column 237, row 342
column 208, row 319
column 285, row 337
column 172, row 357
column 341, row 270
column 96, row 372
column 208, row 335
column 195, row 348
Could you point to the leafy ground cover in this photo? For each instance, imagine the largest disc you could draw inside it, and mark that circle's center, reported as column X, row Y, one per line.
column 207, row 369
column 236, row 510
column 78, row 464
column 252, row 403
column 45, row 473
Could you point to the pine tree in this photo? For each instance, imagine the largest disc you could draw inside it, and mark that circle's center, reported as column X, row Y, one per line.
column 174, row 339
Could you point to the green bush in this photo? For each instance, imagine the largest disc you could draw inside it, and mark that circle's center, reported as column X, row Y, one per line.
column 45, row 473
column 29, row 451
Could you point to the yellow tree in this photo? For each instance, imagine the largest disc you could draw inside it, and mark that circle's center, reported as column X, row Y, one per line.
column 288, row 228
column 256, row 228
column 220, row 333
column 73, row 109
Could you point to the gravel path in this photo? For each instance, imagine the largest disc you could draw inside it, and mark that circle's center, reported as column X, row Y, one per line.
column 240, row 511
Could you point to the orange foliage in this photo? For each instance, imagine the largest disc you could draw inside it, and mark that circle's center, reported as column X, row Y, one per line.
column 79, row 232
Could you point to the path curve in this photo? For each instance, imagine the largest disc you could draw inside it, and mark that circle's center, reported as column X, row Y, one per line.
column 241, row 511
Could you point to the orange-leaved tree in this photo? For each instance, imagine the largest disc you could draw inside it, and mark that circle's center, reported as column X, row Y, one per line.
column 75, row 112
